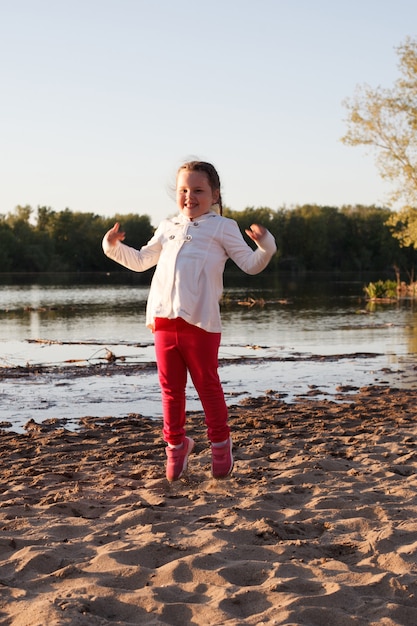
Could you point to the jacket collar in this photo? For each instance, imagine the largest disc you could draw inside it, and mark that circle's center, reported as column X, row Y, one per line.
column 182, row 219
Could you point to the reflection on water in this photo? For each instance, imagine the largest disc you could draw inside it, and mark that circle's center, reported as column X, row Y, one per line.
column 77, row 323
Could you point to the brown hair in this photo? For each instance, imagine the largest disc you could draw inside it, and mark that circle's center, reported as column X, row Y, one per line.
column 210, row 171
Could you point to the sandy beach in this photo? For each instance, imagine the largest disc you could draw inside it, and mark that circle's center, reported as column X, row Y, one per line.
column 317, row 525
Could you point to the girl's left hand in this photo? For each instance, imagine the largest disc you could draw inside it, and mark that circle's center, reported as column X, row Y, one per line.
column 255, row 232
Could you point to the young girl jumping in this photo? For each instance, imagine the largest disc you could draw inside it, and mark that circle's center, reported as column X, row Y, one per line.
column 190, row 252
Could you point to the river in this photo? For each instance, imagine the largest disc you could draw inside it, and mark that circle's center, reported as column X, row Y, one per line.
column 280, row 334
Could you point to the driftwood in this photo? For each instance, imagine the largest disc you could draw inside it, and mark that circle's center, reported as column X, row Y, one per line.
column 250, row 302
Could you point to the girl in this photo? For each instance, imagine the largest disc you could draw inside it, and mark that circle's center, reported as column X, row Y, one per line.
column 190, row 252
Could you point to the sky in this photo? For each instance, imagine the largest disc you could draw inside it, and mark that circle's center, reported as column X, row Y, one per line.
column 102, row 100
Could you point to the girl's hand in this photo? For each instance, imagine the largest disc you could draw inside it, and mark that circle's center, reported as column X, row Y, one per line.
column 256, row 232
column 114, row 234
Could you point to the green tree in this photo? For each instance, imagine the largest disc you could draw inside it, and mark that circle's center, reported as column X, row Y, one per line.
column 403, row 224
column 322, row 234
column 138, row 228
column 74, row 238
column 250, row 215
column 369, row 243
column 7, row 247
column 385, row 120
column 27, row 253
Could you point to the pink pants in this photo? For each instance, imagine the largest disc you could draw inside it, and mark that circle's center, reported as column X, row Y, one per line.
column 182, row 347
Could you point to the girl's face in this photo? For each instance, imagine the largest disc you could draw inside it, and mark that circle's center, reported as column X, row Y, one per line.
column 194, row 194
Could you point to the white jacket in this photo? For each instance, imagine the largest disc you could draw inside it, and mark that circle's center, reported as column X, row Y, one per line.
column 190, row 257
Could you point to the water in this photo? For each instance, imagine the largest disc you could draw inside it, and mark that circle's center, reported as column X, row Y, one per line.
column 275, row 344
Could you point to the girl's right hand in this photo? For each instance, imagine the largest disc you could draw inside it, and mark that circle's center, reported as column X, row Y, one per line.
column 114, row 234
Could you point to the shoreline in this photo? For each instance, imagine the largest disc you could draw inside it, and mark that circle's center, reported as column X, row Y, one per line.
column 69, row 391
column 316, row 525
column 113, row 366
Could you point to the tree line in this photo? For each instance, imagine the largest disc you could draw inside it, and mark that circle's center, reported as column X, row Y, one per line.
column 309, row 238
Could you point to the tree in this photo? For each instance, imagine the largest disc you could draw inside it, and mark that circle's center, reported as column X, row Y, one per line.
column 368, row 240
column 138, row 228
column 27, row 254
column 386, row 120
column 7, row 247
column 404, row 226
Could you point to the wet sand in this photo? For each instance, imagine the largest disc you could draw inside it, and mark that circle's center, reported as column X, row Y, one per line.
column 317, row 525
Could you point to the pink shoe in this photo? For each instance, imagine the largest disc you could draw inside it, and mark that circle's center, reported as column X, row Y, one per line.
column 177, row 459
column 222, row 460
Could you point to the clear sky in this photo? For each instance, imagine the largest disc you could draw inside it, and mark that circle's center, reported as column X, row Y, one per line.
column 102, row 100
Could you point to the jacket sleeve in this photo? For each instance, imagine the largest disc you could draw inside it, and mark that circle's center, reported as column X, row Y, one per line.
column 248, row 260
column 136, row 260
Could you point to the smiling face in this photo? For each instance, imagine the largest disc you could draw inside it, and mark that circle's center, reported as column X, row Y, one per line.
column 194, row 194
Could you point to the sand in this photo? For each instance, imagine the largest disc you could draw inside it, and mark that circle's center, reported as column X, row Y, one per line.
column 316, row 526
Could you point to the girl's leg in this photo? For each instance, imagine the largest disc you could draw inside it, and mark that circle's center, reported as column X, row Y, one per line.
column 200, row 351
column 172, row 373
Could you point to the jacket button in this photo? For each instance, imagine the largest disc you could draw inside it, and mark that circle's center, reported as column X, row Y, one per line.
column 172, row 236
column 188, row 237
